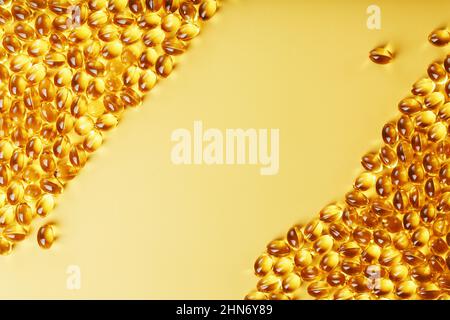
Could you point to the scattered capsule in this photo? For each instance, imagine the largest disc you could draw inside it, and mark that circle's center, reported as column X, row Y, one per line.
column 439, row 37
column 381, row 55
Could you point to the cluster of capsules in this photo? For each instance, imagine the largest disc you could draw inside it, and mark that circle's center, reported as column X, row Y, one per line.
column 68, row 70
column 389, row 238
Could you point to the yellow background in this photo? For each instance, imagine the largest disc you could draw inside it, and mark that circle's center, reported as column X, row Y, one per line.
column 140, row 227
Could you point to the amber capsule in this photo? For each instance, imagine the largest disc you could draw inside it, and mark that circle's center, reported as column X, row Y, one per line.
column 45, row 204
column 97, row 19
column 55, row 59
column 17, row 84
column 410, row 106
column 131, row 76
column 398, row 272
column 31, row 173
column 15, row 192
column 329, row 261
column 431, row 163
column 440, row 226
column 269, row 283
column 148, row 58
column 319, row 289
column 349, row 249
column 309, row 273
column 153, row 37
column 6, row 215
column 371, row 253
column 147, row 81
column 108, row 33
column 437, row 132
column 439, row 37
column 383, row 186
column 46, row 236
column 263, row 265
column 291, row 283
column 378, row 55
column 383, row 287
column 6, row 150
column 436, row 72
column 371, row 162
column 61, row 146
column 405, row 126
column 428, row 291
column 80, row 82
column 405, row 289
column 17, row 161
column 338, row 232
column 34, row 147
column 5, row 16
column 95, row 68
column 362, row 236
column 336, row 278
column 15, row 232
column 438, row 246
column 95, row 88
column 188, row 11
column 278, row 248
column 432, row 187
column 11, row 43
column 79, row 106
column 303, row 258
column 323, row 244
column 24, row 214
column 313, row 230
column 356, row 198
column 123, row 19
column 434, row 100
column 360, row 284
column 207, row 10
column 416, row 172
column 47, row 90
column 420, row 237
column 425, row 119
column 17, row 112
column 64, row 123
column 411, row 220
column 112, row 50
column 256, row 295
column 423, row 87
column 77, row 156
column 382, row 238
column 24, row 31
column 399, row 176
column 389, row 257
column 149, row 20
column 51, row 186
column 283, row 266
column 48, row 132
column 294, row 237
column 36, row 73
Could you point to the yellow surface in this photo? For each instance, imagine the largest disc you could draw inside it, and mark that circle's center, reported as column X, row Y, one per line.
column 140, row 227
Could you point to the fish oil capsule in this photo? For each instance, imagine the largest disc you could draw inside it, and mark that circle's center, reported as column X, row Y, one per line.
column 423, row 87
column 95, row 68
column 11, row 43
column 36, row 73
column 436, row 72
column 269, row 283
column 24, row 31
column 428, row 291
column 294, row 238
column 371, row 162
column 278, row 248
column 173, row 47
column 256, row 295
column 5, row 102
column 313, row 230
column 108, row 33
column 303, row 258
column 413, row 257
column 416, row 173
column 399, row 176
column 309, row 273
column 153, row 37
column 283, row 266
column 329, row 261
column 6, row 216
column 64, row 123
column 170, row 23
column 77, row 156
column 398, row 272
column 130, row 35
column 80, row 34
column 44, row 205
column 319, row 289
column 432, row 187
column 92, row 141
column 46, row 236
column 79, row 106
column 19, row 136
column 389, row 134
column 369, row 219
column 47, row 90
column 48, row 132
column 80, row 81
column 438, row 246
column 20, row 63
column 336, row 278
column 420, row 237
column 5, row 16
column 14, row 193
column 362, row 236
column 437, row 132
column 291, row 283
column 148, row 58
column 17, row 112
column 378, row 55
column 431, row 163
column 48, row 112
column 58, row 41
column 439, row 37
column 149, row 20
column 444, row 174
column 83, row 125
column 263, row 265
column 207, row 9
column 350, row 217
column 389, row 256
column 343, row 294
column 31, row 173
column 418, row 142
column 51, row 186
column 405, row 126
column 428, row 213
column 410, row 106
column 440, row 226
column 95, row 88
column 188, row 31
column 383, row 287
column 131, row 76
column 15, row 232
column 147, row 81
column 364, row 181
column 130, row 98
column 112, row 103
column 42, row 24
column 75, row 58
column 34, row 147
column 425, row 119
column 360, row 284
column 444, row 281
column 331, row 213
column 382, row 238
column 61, row 147
column 411, row 220
column 24, row 214
column 65, row 172
column 63, row 77
column 33, row 122
column 17, row 85
column 17, row 161
column 356, row 199
column 323, row 244
column 55, row 59
column 6, row 150
column 349, row 249
column 97, row 19
column 111, row 50
column 405, row 289
column 383, row 186
column 338, row 232
column 400, row 200
column 371, row 253
column 188, row 11
column 434, row 100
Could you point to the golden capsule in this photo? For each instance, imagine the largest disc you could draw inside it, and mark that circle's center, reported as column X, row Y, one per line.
column 428, row 291
column 269, row 283
column 349, row 249
column 33, row 122
column 91, row 50
column 149, row 20
column 55, row 59
column 148, row 58
column 389, row 257
column 130, row 98
column 371, row 161
column 283, row 266
column 378, row 55
column 153, row 37
column 31, row 173
column 97, row 19
column 34, row 147
column 256, row 295
column 313, row 230
column 24, row 31
column 6, row 150
column 51, row 186
column 423, row 87
column 291, row 283
column 80, row 34
column 437, row 73
column 405, row 289
column 48, row 132
column 303, row 258
column 336, row 278
column 188, row 31
column 47, row 90
column 309, row 273
column 17, row 84
column 356, row 198
column 188, row 11
column 130, row 35
column 360, row 284
column 77, row 156
column 46, row 236
column 154, row 5
column 61, row 146
column 36, row 73
column 17, row 112
column 425, row 119
column 434, row 100
column 42, row 24
column 207, row 9
column 428, row 213
column 5, row 246
column 5, row 17
column 15, row 232
column 383, row 186
column 263, row 265
column 319, row 289
column 170, row 23
column 294, row 237
column 17, row 161
column 409, row 106
column 79, row 106
column 278, row 248
column 7, row 216
column 93, row 141
column 338, row 232
column 45, row 204
column 440, row 226
column 398, row 272
column 15, row 192
column 112, row 50
column 439, row 37
column 24, row 214
column 362, row 236
column 329, row 261
column 364, row 181
column 371, row 253
column 108, row 33
column 11, row 43
column 323, row 244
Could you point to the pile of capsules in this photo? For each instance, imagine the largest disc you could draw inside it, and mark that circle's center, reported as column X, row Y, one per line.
column 68, row 70
column 389, row 238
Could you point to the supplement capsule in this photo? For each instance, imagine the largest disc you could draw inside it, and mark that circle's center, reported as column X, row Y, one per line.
column 439, row 37
column 437, row 73
column 380, row 55
column 46, row 236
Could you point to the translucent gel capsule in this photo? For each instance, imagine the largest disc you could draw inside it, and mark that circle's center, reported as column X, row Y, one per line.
column 379, row 55
column 436, row 72
column 46, row 236
column 439, row 37
column 44, row 205
column 207, row 9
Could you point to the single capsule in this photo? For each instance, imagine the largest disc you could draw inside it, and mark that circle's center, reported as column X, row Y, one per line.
column 43, row 24
column 136, row 6
column 24, row 214
column 130, row 98
column 383, row 287
column 80, row 82
column 329, row 261
column 24, row 31
column 434, row 100
column 153, row 37
column 147, row 81
column 6, row 215
column 384, row 186
column 149, row 20
column 439, row 37
column 98, row 19
column 31, row 173
column 5, row 246
column 63, row 77
column 5, row 17
column 389, row 133
column 45, row 204
column 319, row 289
column 371, row 162
column 380, row 55
column 17, row 84
column 294, row 237
column 263, row 265
column 51, row 186
column 111, row 50
column 409, row 106
column 364, row 181
column 356, row 199
column 188, row 31
column 309, row 273
column 405, row 289
column 77, row 156
column 47, row 90
column 170, row 23
column 95, row 68
column 440, row 226
column 291, row 283
column 79, row 106
column 389, row 257
column 34, row 147
column 313, row 230
column 46, row 236
column 343, row 294
column 336, row 278
column 83, row 125
column 349, row 249
column 61, row 147
column 428, row 212
column 11, row 43
column 80, row 34
column 15, row 192
column 398, row 272
column 423, row 87
column 171, row 5
column 338, row 232
column 207, row 9
column 17, row 161
column 283, row 266
column 269, row 283
column 108, row 33
column 131, row 76
column 278, row 248
column 323, row 244
column 154, row 5
column 106, row 122
column 360, row 284
column 362, row 236
column 148, row 58
column 93, row 141
column 256, row 295
column 188, row 11
column 15, row 232
column 55, row 59
column 331, row 213
column 436, row 72
column 303, row 258
column 428, row 291
column 130, row 35
column 35, row 74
